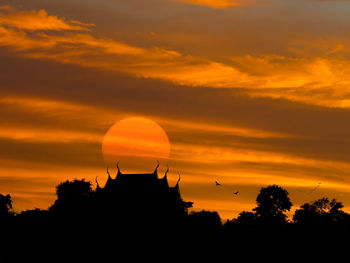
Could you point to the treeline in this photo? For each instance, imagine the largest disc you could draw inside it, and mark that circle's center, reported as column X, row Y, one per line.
column 80, row 216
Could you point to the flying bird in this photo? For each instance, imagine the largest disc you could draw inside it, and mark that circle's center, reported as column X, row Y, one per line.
column 217, row 184
column 315, row 188
column 236, row 193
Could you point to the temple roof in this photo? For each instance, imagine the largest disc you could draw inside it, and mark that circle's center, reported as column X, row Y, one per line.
column 147, row 181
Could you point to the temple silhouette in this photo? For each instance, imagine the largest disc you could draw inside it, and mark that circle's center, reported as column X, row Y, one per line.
column 144, row 183
column 141, row 195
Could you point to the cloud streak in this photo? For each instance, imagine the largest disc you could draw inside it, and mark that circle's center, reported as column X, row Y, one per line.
column 321, row 79
column 37, row 20
column 214, row 3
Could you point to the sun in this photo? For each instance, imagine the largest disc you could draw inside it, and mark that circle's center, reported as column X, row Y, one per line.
column 135, row 142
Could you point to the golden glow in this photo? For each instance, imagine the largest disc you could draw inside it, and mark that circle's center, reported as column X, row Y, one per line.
column 291, row 88
column 142, row 141
column 213, row 3
column 135, row 139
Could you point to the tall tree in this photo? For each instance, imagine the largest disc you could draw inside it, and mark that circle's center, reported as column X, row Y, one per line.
column 272, row 204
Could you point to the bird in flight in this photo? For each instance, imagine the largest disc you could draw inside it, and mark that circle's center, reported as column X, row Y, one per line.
column 315, row 188
column 236, row 193
column 217, row 184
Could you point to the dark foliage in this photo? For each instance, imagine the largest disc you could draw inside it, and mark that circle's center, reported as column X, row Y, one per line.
column 5, row 207
column 204, row 222
column 322, row 214
column 98, row 226
column 245, row 223
column 74, row 200
column 272, row 203
column 321, row 211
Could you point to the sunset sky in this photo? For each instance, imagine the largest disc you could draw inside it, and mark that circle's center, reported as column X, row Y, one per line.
column 249, row 92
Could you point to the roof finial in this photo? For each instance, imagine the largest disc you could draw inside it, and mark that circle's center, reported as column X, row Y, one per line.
column 178, row 180
column 155, row 170
column 109, row 176
column 118, row 167
column 166, row 172
column 98, row 186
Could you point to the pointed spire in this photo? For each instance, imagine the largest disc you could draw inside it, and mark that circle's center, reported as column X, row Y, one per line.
column 98, row 186
column 166, row 172
column 109, row 180
column 176, row 188
column 118, row 168
column 155, row 173
column 109, row 176
column 155, row 170
column 178, row 180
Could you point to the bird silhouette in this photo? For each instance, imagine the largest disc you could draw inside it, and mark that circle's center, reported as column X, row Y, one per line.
column 236, row 193
column 315, row 188
column 217, row 184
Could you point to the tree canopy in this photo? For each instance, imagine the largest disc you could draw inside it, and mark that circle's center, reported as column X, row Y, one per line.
column 320, row 211
column 272, row 204
column 73, row 190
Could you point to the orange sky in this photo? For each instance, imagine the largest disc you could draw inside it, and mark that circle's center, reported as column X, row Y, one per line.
column 249, row 93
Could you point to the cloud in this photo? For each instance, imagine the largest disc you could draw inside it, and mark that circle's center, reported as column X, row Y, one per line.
column 86, row 50
column 214, row 3
column 320, row 78
column 37, row 20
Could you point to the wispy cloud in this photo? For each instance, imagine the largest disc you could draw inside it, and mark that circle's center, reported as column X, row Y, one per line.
column 37, row 20
column 321, row 78
column 214, row 3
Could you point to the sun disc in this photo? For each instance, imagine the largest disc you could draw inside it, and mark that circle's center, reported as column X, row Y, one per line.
column 135, row 141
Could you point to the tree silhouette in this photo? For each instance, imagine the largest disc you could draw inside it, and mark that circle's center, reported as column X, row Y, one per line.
column 78, row 210
column 33, row 214
column 75, row 190
column 5, row 206
column 245, row 223
column 246, row 219
column 73, row 198
column 321, row 211
column 204, row 222
column 272, row 204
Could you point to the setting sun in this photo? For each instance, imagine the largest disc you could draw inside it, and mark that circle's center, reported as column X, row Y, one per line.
column 136, row 139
